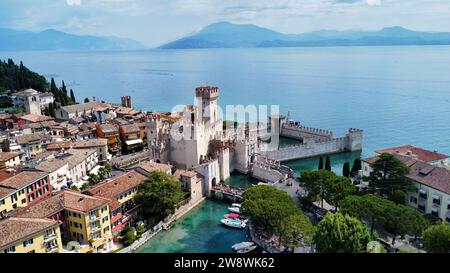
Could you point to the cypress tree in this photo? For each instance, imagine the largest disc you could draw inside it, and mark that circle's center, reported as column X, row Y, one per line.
column 321, row 163
column 357, row 166
column 53, row 88
column 346, row 170
column 51, row 110
column 86, row 100
column 72, row 96
column 328, row 164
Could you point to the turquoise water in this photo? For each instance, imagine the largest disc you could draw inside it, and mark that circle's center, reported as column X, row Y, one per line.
column 198, row 232
column 398, row 95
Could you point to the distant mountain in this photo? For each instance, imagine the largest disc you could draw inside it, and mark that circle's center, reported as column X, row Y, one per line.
column 228, row 35
column 12, row 40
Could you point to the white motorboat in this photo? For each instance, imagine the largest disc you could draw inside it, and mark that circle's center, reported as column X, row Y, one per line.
column 242, row 245
column 234, row 210
column 246, row 250
column 234, row 223
column 236, row 205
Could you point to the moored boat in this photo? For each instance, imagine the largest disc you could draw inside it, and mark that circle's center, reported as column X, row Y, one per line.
column 234, row 210
column 247, row 249
column 236, row 205
column 231, row 216
column 234, row 223
column 242, row 245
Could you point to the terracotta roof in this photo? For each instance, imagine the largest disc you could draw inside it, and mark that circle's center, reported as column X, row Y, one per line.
column 22, row 179
column 109, row 128
column 130, row 128
column 51, row 165
column 5, row 156
column 423, row 173
column 152, row 167
column 36, row 118
column 5, row 192
column 415, row 152
column 179, row 173
column 66, row 199
column 60, row 145
column 17, row 229
column 77, row 156
column 119, row 185
column 31, row 138
column 80, row 108
column 97, row 142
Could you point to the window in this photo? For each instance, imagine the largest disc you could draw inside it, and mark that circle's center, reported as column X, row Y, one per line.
column 27, row 242
column 421, row 208
column 105, row 219
column 413, row 200
column 32, row 251
column 436, row 200
column 24, row 201
column 10, row 249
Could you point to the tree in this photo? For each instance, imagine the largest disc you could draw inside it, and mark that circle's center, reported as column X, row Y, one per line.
column 296, row 231
column 51, row 110
column 328, row 164
column 321, row 167
column 53, row 89
column 357, row 166
column 436, row 239
column 346, row 170
column 338, row 233
column 371, row 207
column 47, row 112
column 129, row 236
column 275, row 211
column 159, row 195
column 94, row 179
column 402, row 220
column 388, row 175
column 86, row 100
column 399, row 197
column 315, row 182
column 337, row 189
column 72, row 96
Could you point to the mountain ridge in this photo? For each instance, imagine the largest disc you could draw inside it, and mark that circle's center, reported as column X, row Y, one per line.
column 229, row 35
column 51, row 39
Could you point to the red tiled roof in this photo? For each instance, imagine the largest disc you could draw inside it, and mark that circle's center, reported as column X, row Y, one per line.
column 415, row 152
column 22, row 179
column 423, row 173
column 16, row 229
column 119, row 185
column 66, row 199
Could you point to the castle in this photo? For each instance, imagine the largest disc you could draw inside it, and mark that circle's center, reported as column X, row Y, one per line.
column 195, row 139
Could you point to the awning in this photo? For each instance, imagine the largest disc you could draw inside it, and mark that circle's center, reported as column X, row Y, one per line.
column 134, row 142
column 423, row 191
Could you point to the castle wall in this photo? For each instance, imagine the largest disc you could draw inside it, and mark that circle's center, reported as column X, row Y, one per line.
column 351, row 142
column 301, row 133
column 266, row 174
column 224, row 164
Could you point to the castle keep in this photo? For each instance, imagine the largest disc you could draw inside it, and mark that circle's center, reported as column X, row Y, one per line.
column 195, row 139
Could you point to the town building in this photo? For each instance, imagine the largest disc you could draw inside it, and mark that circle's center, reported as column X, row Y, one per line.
column 191, row 182
column 80, row 163
column 99, row 111
column 120, row 192
column 10, row 159
column 33, row 144
column 22, row 189
column 32, row 101
column 431, row 157
column 35, row 118
column 58, row 172
column 110, row 132
column 85, row 219
column 130, row 135
column 431, row 194
column 146, row 168
column 25, row 235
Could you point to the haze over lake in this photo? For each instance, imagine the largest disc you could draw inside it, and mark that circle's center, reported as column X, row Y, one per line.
column 398, row 95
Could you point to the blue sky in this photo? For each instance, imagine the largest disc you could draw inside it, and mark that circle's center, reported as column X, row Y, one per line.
column 156, row 21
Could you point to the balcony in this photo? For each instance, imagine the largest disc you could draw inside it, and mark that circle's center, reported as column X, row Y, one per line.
column 95, row 229
column 49, row 238
column 94, row 218
column 52, row 249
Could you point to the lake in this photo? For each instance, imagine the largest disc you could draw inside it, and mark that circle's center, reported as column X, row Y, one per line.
column 398, row 95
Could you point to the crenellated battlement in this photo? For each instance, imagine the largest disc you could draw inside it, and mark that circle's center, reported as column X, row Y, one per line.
column 207, row 92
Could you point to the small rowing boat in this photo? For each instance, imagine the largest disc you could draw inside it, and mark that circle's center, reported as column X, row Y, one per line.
column 242, row 245
column 247, row 249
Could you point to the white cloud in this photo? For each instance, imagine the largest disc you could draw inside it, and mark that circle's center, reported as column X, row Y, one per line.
column 73, row 2
column 373, row 2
